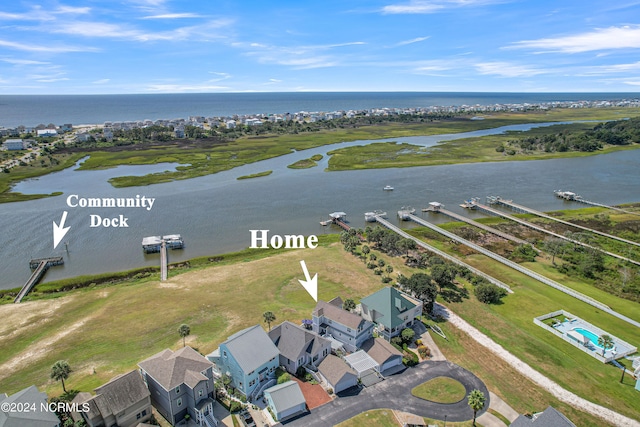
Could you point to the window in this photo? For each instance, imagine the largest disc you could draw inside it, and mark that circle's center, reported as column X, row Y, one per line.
column 144, row 413
column 178, row 390
column 179, row 402
column 138, row 416
column 348, row 329
column 200, row 393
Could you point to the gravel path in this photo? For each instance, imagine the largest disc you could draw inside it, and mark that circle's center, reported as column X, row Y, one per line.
column 535, row 376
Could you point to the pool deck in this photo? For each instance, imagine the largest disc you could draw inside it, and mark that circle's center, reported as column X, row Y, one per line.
column 618, row 346
column 563, row 330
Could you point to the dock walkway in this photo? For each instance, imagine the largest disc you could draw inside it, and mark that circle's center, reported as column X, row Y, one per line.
column 539, row 277
column 477, row 224
column 443, row 254
column 39, row 266
column 517, row 207
column 491, row 211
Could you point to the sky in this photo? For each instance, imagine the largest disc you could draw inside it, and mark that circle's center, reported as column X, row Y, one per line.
column 165, row 46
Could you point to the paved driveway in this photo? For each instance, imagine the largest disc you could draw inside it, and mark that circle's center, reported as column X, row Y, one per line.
column 395, row 393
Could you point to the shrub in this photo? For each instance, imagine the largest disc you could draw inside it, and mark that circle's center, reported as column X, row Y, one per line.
column 500, row 148
column 424, row 351
column 235, row 406
column 284, row 378
column 407, row 335
column 489, row 293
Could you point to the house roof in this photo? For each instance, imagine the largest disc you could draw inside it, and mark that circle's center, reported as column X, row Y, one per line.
column 334, row 369
column 380, row 350
column 389, row 305
column 285, row 396
column 243, row 346
column 551, row 417
column 337, row 314
column 38, row 418
column 170, row 369
column 293, row 341
column 120, row 393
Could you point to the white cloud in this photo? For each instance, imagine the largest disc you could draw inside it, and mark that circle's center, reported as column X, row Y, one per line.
column 101, row 81
column 431, row 6
column 173, row 16
column 176, row 88
column 48, row 49
column 626, row 37
column 23, row 61
column 507, row 69
column 416, row 40
column 612, row 68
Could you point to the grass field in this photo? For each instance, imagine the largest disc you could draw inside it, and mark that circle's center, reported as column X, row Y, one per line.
column 441, row 390
column 255, row 175
column 378, row 417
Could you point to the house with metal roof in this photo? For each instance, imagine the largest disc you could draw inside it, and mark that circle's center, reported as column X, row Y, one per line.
column 181, row 383
column 249, row 358
column 550, row 417
column 337, row 374
column 32, row 398
column 298, row 346
column 391, row 311
column 331, row 321
column 124, row 401
column 285, row 400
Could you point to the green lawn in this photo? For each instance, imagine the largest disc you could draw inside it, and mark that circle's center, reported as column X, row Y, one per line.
column 378, row 417
column 441, row 390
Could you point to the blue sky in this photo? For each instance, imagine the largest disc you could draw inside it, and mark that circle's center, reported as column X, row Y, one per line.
column 164, row 46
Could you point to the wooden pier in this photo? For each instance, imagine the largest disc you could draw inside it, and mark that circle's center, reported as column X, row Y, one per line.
column 473, row 204
column 438, row 208
column 523, row 209
column 442, row 254
column 39, row 267
column 163, row 261
column 573, row 197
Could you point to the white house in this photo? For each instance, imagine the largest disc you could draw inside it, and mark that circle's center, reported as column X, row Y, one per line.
column 14, row 144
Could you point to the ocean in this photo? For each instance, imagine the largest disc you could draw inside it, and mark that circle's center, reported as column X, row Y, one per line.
column 32, row 110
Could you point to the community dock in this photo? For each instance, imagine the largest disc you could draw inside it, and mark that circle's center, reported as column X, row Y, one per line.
column 39, row 267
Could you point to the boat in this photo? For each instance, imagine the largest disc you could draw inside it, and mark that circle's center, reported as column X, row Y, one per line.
column 325, row 223
column 388, row 188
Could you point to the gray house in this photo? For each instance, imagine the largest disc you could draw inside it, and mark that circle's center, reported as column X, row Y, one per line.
column 181, row 383
column 332, row 321
column 551, row 417
column 250, row 358
column 37, row 418
column 298, row 346
column 337, row 374
column 285, row 400
column 124, row 401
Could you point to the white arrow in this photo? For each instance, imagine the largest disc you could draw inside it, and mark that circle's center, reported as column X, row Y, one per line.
column 59, row 231
column 311, row 285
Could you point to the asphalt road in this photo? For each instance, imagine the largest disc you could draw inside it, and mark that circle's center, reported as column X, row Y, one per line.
column 395, row 393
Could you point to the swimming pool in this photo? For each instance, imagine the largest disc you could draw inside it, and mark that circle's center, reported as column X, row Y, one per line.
column 590, row 335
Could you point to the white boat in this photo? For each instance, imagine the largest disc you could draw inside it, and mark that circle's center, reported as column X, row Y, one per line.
column 388, row 188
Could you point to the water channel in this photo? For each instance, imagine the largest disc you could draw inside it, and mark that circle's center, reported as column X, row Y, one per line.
column 215, row 213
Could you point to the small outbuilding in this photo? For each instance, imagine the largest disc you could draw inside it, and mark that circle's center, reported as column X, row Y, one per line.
column 285, row 400
column 337, row 374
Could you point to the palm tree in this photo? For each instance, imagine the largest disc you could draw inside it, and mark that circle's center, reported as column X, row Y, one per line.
column 365, row 251
column 60, row 371
column 476, row 402
column 184, row 330
column 269, row 317
column 606, row 342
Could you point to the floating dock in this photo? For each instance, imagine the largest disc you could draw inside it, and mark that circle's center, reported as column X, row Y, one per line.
column 539, row 277
column 153, row 244
column 474, row 204
column 39, row 267
column 573, row 197
column 497, row 200
column 404, row 212
column 442, row 254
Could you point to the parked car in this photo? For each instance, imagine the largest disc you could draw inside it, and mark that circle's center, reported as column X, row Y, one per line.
column 247, row 419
